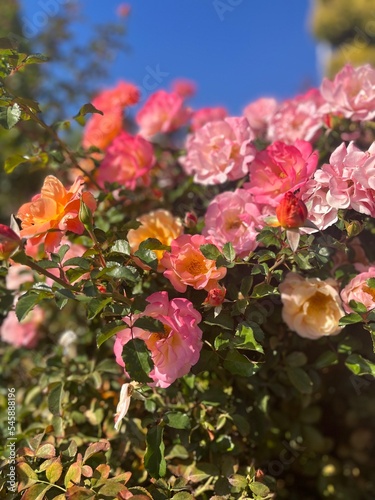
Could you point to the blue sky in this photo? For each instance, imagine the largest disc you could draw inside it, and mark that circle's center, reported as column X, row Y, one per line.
column 235, row 50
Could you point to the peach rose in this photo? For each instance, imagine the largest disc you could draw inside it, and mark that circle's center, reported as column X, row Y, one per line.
column 311, row 307
column 186, row 265
column 159, row 224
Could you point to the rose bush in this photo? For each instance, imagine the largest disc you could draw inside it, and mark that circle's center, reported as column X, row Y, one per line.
column 194, row 321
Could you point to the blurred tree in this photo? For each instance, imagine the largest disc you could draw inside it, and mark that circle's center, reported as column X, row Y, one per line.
column 78, row 67
column 348, row 26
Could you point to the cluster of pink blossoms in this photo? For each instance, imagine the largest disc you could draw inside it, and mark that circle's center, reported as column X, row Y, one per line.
column 253, row 183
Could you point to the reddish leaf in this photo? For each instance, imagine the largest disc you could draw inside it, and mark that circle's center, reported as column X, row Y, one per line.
column 102, row 445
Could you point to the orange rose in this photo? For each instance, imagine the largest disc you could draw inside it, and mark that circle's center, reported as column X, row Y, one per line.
column 53, row 212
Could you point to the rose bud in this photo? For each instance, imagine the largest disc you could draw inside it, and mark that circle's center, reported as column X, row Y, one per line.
column 215, row 296
column 291, row 212
column 9, row 241
column 190, row 220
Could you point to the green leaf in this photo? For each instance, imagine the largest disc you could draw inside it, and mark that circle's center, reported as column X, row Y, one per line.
column 16, row 160
column 127, row 273
column 371, row 282
column 87, row 109
column 210, row 251
column 238, row 364
column 357, row 307
column 153, row 244
column 150, row 324
column 300, row 380
column 245, row 339
column 154, row 459
column 25, row 304
column 259, row 489
column 109, row 331
column 36, row 59
column 138, row 360
column 229, row 252
column 95, row 306
column 350, row 319
column 327, row 358
column 359, row 365
column 55, row 397
column 296, row 359
column 10, row 116
column 148, row 257
column 36, row 492
column 54, row 471
column 26, row 476
column 263, row 289
column 80, row 262
column 121, row 246
column 177, row 420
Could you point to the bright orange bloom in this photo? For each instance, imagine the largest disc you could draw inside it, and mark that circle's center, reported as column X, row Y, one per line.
column 53, row 212
column 291, row 212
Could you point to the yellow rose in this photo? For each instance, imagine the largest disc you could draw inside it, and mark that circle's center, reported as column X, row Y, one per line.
column 311, row 307
column 159, row 224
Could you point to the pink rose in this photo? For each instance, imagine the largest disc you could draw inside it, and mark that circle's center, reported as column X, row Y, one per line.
column 233, row 217
column 298, row 118
column 100, row 130
column 314, row 195
column 205, row 115
column 260, row 113
column 186, row 265
column 176, row 350
column 163, row 112
column 358, row 289
column 184, row 88
column 219, row 151
column 351, row 93
column 348, row 177
column 127, row 161
column 280, row 168
column 24, row 334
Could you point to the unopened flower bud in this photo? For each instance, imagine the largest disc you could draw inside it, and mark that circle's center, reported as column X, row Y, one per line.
column 291, row 212
column 190, row 220
column 9, row 241
column 215, row 296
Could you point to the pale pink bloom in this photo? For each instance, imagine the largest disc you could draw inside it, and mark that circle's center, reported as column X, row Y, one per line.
column 311, row 307
column 205, row 115
column 233, row 217
column 128, row 161
column 351, row 93
column 186, row 265
column 348, row 181
column 220, row 151
column 357, row 289
column 320, row 212
column 173, row 351
column 184, row 88
column 281, row 168
column 298, row 118
column 163, row 112
column 260, row 113
column 18, row 274
column 24, row 334
column 100, row 130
